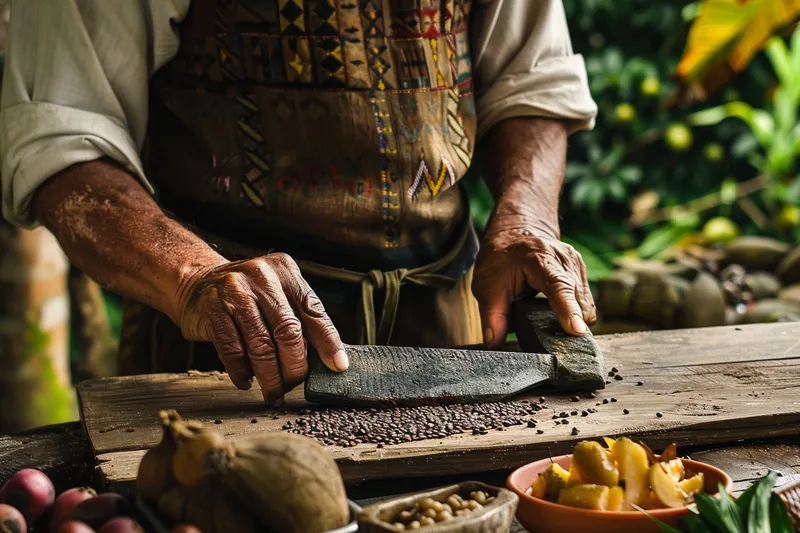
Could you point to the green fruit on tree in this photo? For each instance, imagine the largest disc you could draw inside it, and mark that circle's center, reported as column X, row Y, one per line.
column 678, row 137
column 624, row 112
column 789, row 217
column 714, row 152
column 650, row 86
column 720, row 230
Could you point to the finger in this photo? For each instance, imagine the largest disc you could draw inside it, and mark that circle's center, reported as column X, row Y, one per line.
column 559, row 288
column 261, row 351
column 321, row 332
column 494, row 304
column 230, row 349
column 583, row 292
column 287, row 333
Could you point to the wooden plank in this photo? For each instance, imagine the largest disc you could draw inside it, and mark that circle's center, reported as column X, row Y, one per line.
column 61, row 451
column 714, row 385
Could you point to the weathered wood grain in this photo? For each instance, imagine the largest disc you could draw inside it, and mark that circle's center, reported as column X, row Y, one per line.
column 715, row 385
column 62, row 452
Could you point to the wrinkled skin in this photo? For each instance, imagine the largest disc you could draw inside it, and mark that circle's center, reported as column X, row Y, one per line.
column 260, row 314
column 523, row 163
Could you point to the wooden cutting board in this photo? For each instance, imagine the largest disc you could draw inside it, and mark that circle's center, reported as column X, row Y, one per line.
column 713, row 385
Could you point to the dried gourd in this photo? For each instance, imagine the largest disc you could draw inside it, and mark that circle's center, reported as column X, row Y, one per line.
column 207, row 508
column 287, row 483
column 155, row 476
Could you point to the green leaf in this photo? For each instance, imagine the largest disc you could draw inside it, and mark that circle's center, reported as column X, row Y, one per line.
column 731, row 513
column 631, row 174
column 758, row 510
column 659, row 240
column 779, row 519
column 778, row 55
column 694, row 523
column 721, row 518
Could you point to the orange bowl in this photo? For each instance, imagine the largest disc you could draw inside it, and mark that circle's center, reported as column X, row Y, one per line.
column 541, row 516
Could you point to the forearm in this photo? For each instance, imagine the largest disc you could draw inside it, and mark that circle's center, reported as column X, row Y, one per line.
column 522, row 161
column 111, row 228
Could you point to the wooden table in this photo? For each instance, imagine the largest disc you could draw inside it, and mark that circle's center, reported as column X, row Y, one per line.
column 729, row 396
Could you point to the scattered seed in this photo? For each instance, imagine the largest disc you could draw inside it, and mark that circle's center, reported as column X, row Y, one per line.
column 605, row 400
column 576, row 399
column 584, row 413
column 575, row 431
column 531, row 423
column 608, row 381
column 254, row 421
column 614, row 369
column 591, row 395
column 574, row 412
column 611, row 374
column 640, row 383
column 539, row 431
column 565, row 421
column 738, row 329
column 613, row 400
column 129, row 430
column 625, row 411
column 218, row 421
column 618, row 377
column 659, row 415
column 541, row 400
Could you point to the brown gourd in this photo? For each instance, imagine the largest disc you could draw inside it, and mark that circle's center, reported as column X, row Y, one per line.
column 285, row 483
column 206, row 507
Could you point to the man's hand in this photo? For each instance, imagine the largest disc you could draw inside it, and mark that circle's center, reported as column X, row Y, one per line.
column 511, row 261
column 259, row 313
column 523, row 162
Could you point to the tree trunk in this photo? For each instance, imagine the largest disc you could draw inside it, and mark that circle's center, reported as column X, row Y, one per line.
column 35, row 387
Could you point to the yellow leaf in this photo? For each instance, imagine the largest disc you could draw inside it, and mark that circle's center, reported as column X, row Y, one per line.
column 723, row 40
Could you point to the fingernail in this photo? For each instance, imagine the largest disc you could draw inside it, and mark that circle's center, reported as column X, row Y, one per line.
column 578, row 325
column 273, row 400
column 488, row 336
column 340, row 361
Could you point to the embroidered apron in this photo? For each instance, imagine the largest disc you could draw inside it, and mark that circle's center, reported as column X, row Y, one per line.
column 335, row 131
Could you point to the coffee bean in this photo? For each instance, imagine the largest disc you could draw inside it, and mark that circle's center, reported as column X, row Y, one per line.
column 659, row 415
column 565, row 421
column 605, row 400
column 218, row 422
column 608, row 382
column 618, row 377
column 584, row 413
column 640, row 383
column 611, row 374
column 614, row 369
column 575, row 431
column 539, row 431
column 613, row 399
column 574, row 412
column 541, row 400
column 254, row 421
column 625, row 411
column 576, row 399
column 591, row 395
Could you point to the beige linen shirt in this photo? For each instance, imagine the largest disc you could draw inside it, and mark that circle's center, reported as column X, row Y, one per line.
column 75, row 86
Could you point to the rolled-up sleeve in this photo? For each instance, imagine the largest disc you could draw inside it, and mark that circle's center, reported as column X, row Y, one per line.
column 75, row 88
column 524, row 64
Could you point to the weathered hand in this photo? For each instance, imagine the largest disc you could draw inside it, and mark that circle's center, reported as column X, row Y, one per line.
column 513, row 259
column 260, row 314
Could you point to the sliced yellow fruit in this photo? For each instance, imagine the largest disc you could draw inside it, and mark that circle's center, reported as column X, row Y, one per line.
column 675, row 469
column 574, row 476
column 585, row 497
column 616, row 499
column 633, row 468
column 539, row 487
column 665, row 487
column 609, row 442
column 651, row 501
column 555, row 478
column 594, row 465
column 693, row 485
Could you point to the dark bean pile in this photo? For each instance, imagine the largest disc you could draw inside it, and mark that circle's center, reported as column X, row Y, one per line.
column 350, row 427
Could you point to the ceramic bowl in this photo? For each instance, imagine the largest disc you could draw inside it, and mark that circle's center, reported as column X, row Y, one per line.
column 495, row 517
column 541, row 516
